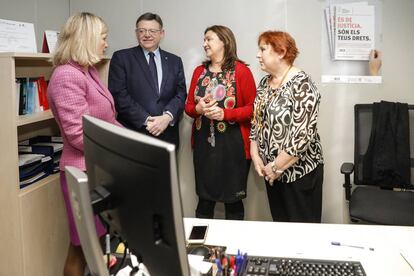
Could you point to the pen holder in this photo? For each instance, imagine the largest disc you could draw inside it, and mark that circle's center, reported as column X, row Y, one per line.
column 210, row 252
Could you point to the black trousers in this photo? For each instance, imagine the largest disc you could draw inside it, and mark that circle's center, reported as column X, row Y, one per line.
column 298, row 201
column 205, row 209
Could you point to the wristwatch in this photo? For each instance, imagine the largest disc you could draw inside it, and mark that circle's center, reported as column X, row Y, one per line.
column 276, row 169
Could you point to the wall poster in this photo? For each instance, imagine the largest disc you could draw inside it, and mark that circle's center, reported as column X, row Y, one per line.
column 352, row 41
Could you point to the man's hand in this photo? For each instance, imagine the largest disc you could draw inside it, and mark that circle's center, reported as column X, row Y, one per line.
column 375, row 62
column 157, row 124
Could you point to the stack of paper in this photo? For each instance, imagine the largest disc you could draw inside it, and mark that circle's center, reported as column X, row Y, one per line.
column 26, row 159
column 351, row 30
column 33, row 167
column 38, row 157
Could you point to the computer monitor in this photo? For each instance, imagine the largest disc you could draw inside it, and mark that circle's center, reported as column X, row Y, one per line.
column 140, row 173
column 80, row 201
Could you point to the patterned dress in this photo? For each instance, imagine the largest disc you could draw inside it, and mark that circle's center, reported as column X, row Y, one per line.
column 218, row 145
column 284, row 119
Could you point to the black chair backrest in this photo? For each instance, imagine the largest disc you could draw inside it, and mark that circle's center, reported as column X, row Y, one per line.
column 363, row 126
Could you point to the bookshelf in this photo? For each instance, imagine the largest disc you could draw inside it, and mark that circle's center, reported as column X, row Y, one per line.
column 34, row 233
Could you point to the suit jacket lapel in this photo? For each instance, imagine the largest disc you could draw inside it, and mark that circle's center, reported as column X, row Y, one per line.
column 165, row 71
column 139, row 54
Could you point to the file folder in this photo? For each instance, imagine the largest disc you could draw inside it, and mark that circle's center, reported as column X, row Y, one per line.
column 39, row 149
column 54, row 151
column 45, row 138
column 31, row 180
column 38, row 157
column 43, row 165
column 29, row 158
column 57, row 147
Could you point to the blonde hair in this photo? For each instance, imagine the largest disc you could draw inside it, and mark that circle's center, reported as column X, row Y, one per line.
column 79, row 39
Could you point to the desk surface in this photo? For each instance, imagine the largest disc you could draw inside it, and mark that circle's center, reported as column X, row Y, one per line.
column 311, row 240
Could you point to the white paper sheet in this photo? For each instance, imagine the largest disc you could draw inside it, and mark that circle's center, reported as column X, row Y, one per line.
column 17, row 37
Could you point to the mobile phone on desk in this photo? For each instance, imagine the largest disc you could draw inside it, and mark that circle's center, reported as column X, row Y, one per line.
column 198, row 234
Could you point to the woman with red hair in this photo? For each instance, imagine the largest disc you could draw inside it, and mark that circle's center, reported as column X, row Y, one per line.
column 285, row 146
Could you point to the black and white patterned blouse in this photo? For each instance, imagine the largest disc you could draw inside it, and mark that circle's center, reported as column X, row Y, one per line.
column 285, row 120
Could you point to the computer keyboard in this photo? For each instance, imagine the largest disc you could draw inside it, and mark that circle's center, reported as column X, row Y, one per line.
column 271, row 266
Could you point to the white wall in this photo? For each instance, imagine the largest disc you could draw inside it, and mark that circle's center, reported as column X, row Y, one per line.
column 120, row 16
column 184, row 36
column 336, row 114
column 44, row 14
column 248, row 19
column 185, row 21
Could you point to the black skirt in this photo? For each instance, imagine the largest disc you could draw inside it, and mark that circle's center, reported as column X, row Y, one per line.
column 220, row 171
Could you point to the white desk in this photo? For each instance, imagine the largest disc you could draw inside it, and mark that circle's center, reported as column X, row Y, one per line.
column 309, row 240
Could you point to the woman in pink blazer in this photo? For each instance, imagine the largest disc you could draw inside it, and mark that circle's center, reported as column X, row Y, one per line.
column 75, row 89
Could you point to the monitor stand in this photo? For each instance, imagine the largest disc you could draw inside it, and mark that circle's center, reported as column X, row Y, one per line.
column 82, row 211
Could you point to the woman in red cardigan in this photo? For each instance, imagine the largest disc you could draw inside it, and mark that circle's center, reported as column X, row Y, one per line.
column 220, row 100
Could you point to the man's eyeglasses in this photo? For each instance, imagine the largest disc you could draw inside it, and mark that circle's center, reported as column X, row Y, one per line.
column 151, row 32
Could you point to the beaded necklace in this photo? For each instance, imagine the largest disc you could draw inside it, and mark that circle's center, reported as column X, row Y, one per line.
column 258, row 114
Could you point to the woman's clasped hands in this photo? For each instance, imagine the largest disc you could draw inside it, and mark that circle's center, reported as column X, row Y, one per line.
column 266, row 171
column 208, row 107
column 270, row 174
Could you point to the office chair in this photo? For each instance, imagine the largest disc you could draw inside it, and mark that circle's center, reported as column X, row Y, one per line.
column 377, row 203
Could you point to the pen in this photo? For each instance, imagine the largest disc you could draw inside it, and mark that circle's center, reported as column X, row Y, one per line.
column 406, row 261
column 244, row 263
column 232, row 261
column 350, row 245
column 219, row 267
column 224, row 264
column 239, row 260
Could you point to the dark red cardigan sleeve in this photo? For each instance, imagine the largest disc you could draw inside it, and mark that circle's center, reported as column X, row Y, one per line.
column 246, row 92
column 190, row 103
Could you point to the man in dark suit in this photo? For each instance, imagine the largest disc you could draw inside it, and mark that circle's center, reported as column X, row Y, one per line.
column 148, row 83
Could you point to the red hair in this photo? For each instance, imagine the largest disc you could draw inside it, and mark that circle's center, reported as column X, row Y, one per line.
column 281, row 42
